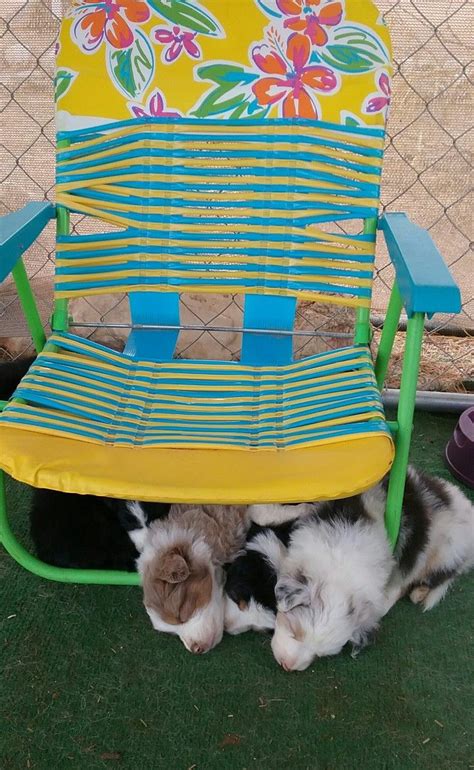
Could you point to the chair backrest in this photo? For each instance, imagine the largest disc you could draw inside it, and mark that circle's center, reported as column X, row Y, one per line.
column 222, row 138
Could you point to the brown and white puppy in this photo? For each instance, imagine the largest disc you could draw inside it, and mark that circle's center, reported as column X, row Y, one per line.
column 182, row 571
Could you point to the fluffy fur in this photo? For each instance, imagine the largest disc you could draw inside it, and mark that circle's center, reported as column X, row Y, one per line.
column 339, row 576
column 89, row 532
column 182, row 571
column 251, row 579
column 436, row 542
column 11, row 372
column 331, row 589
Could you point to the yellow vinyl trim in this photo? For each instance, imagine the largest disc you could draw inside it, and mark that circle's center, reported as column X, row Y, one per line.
column 344, row 468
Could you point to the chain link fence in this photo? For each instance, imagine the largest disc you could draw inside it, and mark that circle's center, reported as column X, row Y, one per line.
column 427, row 173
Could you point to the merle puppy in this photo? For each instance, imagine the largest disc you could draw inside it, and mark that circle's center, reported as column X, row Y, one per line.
column 339, row 576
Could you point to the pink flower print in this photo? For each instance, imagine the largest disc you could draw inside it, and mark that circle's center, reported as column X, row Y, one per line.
column 289, row 81
column 154, row 108
column 380, row 100
column 177, row 40
column 304, row 16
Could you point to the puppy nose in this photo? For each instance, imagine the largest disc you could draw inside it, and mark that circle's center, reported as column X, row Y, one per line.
column 197, row 648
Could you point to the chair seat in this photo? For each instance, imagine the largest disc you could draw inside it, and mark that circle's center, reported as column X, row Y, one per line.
column 94, row 421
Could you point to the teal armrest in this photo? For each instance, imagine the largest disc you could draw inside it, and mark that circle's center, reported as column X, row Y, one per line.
column 424, row 280
column 19, row 229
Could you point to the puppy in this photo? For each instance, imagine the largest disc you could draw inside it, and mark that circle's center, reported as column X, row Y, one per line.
column 331, row 589
column 436, row 542
column 11, row 372
column 182, row 571
column 88, row 532
column 250, row 602
column 339, row 577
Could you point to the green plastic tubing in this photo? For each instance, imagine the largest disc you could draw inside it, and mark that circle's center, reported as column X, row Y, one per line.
column 362, row 326
column 406, row 408
column 389, row 330
column 29, row 307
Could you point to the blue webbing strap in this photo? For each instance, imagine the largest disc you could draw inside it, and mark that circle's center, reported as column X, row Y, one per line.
column 151, row 308
column 267, row 312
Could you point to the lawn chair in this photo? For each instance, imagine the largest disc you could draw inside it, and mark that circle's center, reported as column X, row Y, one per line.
column 226, row 147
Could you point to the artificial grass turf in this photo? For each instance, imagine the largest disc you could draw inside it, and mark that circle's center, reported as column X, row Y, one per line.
column 87, row 683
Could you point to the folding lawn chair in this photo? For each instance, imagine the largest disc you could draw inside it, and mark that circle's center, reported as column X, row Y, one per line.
column 220, row 146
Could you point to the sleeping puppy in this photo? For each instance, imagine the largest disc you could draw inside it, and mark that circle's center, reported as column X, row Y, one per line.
column 250, row 602
column 182, row 569
column 339, row 577
column 88, row 532
column 436, row 542
column 11, row 372
column 331, row 588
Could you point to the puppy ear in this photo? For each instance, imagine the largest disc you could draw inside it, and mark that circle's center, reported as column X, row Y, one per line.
column 173, row 568
column 291, row 592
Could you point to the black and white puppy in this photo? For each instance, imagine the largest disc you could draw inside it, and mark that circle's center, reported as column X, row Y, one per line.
column 251, row 580
column 339, row 576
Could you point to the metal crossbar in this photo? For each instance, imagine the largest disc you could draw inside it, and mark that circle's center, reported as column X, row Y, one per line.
column 203, row 327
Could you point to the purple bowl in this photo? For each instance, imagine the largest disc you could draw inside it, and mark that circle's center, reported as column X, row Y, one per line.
column 460, row 449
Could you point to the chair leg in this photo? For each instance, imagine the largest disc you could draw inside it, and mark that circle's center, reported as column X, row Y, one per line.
column 406, row 408
column 48, row 571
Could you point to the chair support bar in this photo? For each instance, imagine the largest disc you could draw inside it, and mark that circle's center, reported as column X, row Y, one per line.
column 204, row 328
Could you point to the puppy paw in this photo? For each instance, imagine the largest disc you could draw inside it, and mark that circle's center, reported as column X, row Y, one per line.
column 419, row 594
column 273, row 514
column 261, row 514
column 429, row 597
